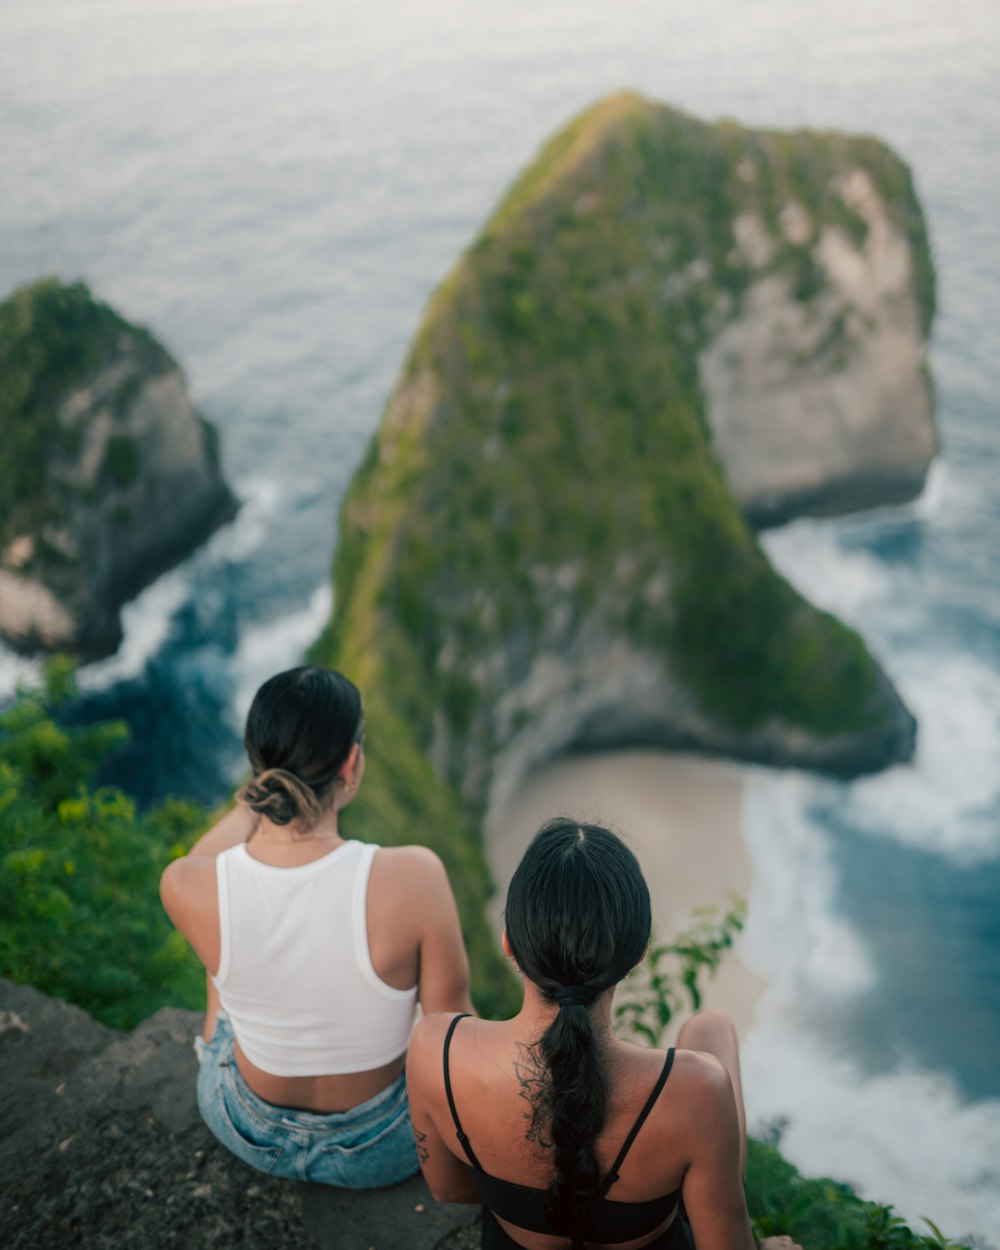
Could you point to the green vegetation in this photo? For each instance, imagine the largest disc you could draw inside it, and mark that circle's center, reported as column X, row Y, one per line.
column 79, row 869
column 669, row 980
column 823, row 1214
column 122, row 459
column 53, row 337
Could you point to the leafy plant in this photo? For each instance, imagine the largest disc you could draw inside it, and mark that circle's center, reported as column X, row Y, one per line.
column 823, row 1214
column 79, row 868
column 670, row 977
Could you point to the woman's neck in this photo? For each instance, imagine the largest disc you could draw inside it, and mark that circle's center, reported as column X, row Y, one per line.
column 536, row 1014
column 288, row 845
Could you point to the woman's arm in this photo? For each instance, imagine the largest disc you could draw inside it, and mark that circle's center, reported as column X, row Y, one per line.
column 188, row 885
column 236, row 826
column 410, row 897
column 444, row 964
column 713, row 1186
column 447, row 1177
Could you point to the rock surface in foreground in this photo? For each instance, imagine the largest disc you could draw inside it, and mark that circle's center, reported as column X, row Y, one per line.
column 109, row 476
column 102, row 1147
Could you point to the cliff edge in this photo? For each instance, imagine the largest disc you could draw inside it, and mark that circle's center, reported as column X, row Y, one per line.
column 103, row 1147
column 108, row 475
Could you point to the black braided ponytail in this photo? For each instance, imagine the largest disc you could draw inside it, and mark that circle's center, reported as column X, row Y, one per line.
column 578, row 919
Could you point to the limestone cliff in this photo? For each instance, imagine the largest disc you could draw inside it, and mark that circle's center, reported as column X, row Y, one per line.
column 816, row 383
column 540, row 553
column 108, row 474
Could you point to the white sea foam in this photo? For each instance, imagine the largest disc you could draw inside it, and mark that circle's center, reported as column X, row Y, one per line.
column 262, row 501
column 15, row 669
column 279, row 644
column 948, row 800
column 146, row 620
column 145, row 626
column 792, row 902
column 937, row 487
column 809, row 554
column 903, row 1137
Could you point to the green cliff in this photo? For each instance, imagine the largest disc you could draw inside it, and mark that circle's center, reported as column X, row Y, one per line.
column 108, row 475
column 540, row 552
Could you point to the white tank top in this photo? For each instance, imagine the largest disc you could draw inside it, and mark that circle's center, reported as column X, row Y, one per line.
column 295, row 972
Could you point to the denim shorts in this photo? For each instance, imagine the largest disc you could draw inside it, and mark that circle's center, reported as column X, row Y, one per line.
column 365, row 1148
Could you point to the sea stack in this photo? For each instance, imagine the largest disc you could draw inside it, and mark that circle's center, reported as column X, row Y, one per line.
column 109, row 476
column 546, row 550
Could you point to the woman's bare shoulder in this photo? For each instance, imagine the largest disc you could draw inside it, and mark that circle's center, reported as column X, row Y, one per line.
column 427, row 1042
column 697, row 1083
column 688, row 1067
column 411, row 868
column 411, row 857
column 701, row 1080
column 189, row 892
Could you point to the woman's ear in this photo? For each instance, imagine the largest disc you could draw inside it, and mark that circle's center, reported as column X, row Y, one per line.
column 505, row 943
column 350, row 764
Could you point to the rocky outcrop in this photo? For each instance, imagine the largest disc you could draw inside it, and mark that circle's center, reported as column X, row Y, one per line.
column 541, row 539
column 541, row 553
column 110, row 475
column 816, row 386
column 103, row 1147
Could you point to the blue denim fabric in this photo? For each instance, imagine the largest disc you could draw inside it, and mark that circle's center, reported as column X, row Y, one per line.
column 365, row 1148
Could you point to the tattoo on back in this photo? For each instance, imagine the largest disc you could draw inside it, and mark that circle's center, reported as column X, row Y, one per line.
column 534, row 1088
column 423, row 1153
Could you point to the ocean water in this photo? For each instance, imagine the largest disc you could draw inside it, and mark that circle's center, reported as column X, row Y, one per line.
column 276, row 189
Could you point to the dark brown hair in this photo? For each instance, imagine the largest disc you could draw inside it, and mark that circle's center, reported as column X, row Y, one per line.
column 300, row 729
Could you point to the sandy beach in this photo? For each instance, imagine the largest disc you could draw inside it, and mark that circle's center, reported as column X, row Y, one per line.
column 682, row 817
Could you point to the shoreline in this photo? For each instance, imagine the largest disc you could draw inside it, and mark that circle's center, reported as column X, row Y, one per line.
column 681, row 814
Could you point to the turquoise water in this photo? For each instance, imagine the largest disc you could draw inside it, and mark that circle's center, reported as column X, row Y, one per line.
column 277, row 189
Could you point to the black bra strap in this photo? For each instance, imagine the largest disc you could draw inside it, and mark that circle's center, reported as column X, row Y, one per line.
column 451, row 1100
column 612, row 1176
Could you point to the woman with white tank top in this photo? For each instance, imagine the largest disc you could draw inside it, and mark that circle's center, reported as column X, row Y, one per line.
column 317, row 950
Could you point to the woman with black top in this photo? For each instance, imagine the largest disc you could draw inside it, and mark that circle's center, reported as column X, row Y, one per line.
column 566, row 1134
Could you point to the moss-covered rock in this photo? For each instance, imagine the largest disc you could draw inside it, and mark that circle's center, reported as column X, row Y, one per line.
column 108, row 476
column 540, row 552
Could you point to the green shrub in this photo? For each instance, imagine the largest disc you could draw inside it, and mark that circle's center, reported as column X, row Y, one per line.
column 121, row 459
column 79, row 868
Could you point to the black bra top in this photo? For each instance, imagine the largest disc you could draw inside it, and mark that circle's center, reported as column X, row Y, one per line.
column 605, row 1221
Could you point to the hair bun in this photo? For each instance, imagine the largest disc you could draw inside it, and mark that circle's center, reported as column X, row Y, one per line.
column 281, row 797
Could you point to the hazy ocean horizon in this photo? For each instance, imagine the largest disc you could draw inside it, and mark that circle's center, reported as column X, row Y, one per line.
column 276, row 190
